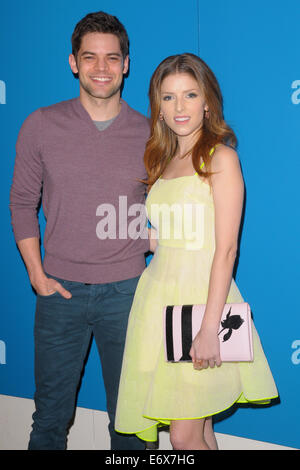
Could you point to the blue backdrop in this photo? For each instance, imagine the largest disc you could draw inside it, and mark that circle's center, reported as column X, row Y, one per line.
column 253, row 49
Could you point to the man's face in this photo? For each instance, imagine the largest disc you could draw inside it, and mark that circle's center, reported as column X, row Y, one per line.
column 99, row 65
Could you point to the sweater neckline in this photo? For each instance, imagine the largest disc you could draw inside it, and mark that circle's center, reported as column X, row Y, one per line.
column 118, row 120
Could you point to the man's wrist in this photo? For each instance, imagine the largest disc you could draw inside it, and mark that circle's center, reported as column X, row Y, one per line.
column 36, row 275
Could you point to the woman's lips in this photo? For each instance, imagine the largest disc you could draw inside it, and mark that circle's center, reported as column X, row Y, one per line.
column 181, row 119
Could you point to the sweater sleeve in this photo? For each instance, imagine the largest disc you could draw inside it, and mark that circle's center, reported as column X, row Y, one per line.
column 26, row 187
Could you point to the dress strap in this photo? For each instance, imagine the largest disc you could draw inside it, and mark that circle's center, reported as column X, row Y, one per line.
column 210, row 153
column 213, row 149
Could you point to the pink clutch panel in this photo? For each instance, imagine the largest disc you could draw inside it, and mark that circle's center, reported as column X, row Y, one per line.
column 182, row 323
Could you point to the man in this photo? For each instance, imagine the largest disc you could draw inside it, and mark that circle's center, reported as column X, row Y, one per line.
column 84, row 155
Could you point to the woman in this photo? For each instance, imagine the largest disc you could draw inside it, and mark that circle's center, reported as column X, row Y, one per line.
column 191, row 162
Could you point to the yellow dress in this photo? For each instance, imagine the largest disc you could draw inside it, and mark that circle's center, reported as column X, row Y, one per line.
column 153, row 392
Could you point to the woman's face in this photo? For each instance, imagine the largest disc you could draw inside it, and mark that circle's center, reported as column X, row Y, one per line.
column 182, row 105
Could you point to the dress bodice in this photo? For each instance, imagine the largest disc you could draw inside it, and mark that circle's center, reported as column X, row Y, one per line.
column 182, row 212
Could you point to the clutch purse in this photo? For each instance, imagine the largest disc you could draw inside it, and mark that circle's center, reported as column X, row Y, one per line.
column 182, row 323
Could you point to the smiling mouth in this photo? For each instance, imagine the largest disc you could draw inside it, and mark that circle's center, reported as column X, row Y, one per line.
column 181, row 119
column 101, row 79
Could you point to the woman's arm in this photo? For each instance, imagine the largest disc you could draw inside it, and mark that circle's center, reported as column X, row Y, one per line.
column 153, row 239
column 228, row 195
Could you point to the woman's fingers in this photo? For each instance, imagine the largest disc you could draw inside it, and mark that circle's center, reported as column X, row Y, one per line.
column 205, row 363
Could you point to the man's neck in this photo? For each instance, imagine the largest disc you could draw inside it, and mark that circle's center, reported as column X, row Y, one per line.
column 101, row 109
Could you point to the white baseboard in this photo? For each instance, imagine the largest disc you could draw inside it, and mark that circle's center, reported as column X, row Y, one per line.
column 89, row 431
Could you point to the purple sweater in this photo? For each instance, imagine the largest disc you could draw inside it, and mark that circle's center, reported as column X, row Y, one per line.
column 77, row 168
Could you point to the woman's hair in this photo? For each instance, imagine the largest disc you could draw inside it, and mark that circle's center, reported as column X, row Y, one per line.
column 100, row 22
column 162, row 144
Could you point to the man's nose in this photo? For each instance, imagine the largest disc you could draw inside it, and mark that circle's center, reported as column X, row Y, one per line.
column 101, row 64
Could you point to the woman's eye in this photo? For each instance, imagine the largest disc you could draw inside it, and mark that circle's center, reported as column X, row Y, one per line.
column 167, row 98
column 192, row 95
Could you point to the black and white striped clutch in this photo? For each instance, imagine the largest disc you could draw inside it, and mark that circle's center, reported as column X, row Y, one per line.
column 182, row 323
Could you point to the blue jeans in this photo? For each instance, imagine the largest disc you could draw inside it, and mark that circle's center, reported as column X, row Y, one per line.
column 63, row 330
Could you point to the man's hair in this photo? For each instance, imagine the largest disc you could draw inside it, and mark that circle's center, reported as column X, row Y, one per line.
column 100, row 22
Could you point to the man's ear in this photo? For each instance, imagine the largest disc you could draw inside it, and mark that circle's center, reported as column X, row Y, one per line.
column 126, row 65
column 73, row 64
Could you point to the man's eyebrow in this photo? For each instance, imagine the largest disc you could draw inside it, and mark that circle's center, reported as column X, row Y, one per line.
column 108, row 53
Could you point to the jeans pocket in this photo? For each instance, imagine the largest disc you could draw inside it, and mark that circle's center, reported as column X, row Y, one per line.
column 64, row 283
column 127, row 287
column 48, row 295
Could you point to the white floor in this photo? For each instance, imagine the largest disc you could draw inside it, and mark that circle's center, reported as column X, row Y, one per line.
column 89, row 431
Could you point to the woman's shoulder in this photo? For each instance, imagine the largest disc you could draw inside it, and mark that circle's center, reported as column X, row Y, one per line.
column 224, row 157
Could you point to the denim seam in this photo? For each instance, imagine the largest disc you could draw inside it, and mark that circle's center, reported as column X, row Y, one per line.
column 78, row 369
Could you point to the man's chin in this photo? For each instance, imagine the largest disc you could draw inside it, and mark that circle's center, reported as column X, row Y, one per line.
column 101, row 94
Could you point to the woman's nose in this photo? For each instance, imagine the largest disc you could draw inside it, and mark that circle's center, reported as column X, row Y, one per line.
column 179, row 104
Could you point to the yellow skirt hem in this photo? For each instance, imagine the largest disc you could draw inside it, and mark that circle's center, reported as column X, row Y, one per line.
column 166, row 421
column 260, row 401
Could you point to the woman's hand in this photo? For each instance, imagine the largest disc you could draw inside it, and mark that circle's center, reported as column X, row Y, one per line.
column 205, row 350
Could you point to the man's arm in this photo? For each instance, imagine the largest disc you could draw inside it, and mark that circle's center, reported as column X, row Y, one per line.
column 25, row 196
column 43, row 285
